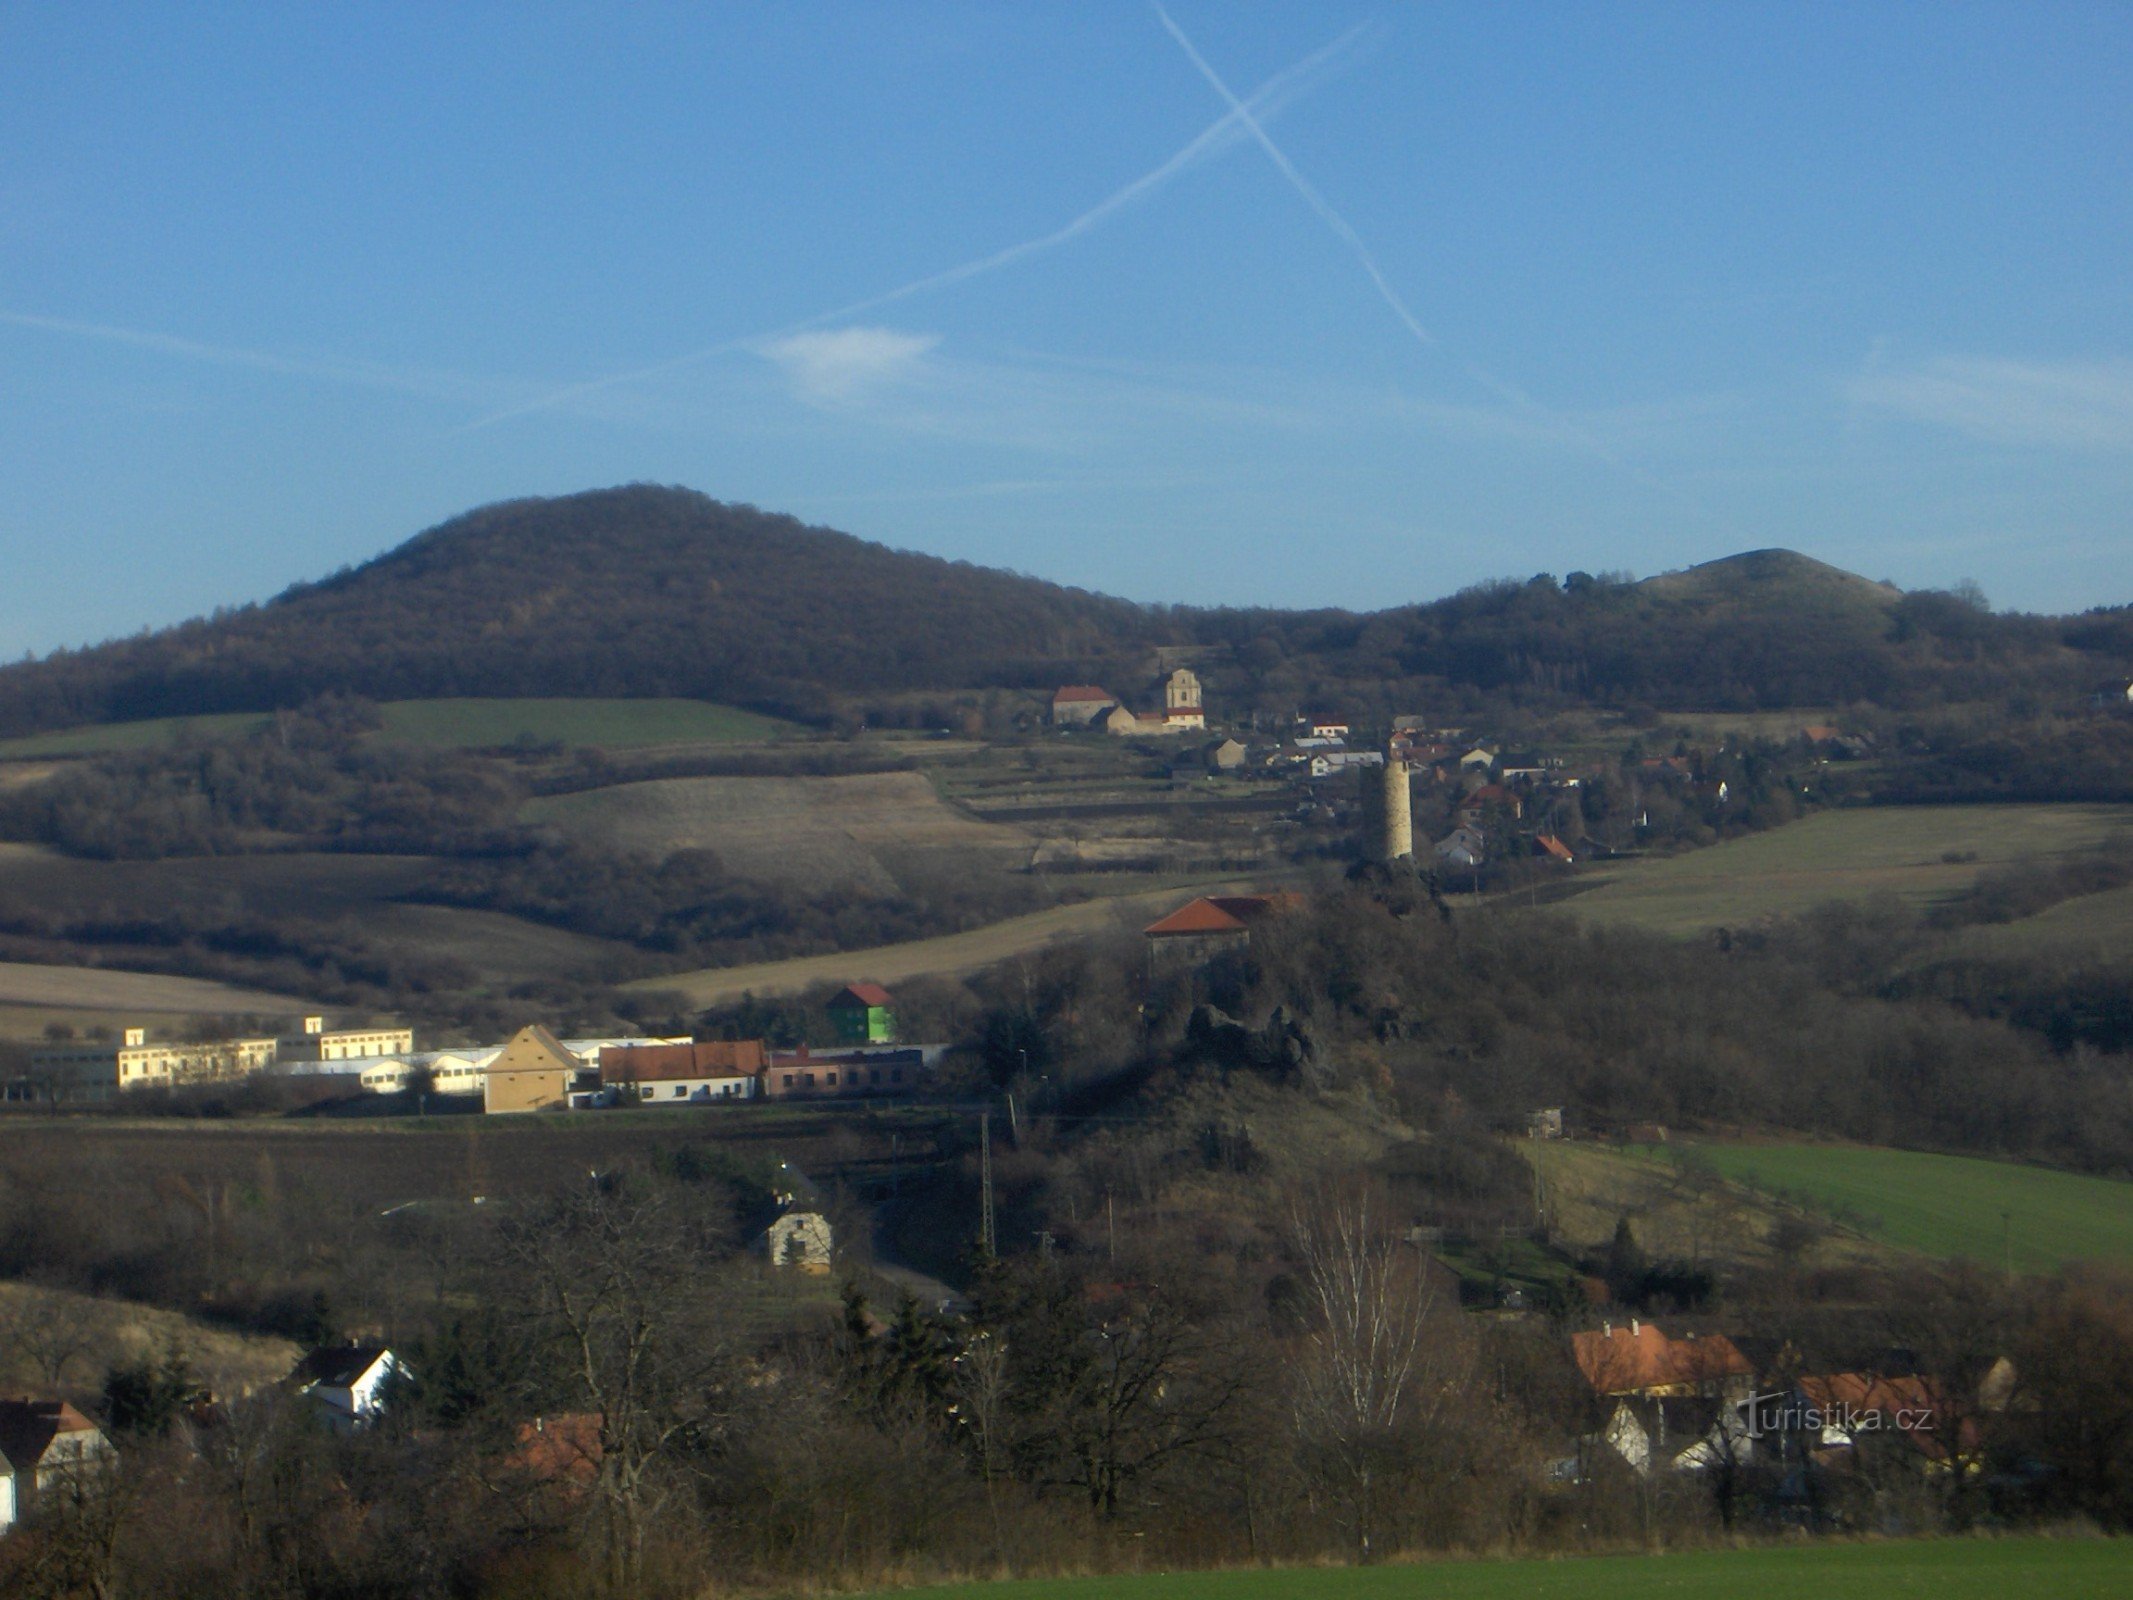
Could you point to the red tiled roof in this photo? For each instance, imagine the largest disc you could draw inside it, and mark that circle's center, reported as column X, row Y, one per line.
column 1554, row 847
column 1219, row 913
column 1632, row 1360
column 1082, row 691
column 660, row 1063
column 865, row 994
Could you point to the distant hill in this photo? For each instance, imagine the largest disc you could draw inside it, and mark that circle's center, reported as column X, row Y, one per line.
column 644, row 592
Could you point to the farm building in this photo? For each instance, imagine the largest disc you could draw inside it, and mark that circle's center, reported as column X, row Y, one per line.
column 1079, row 704
column 863, row 1013
column 534, row 1072
column 683, row 1074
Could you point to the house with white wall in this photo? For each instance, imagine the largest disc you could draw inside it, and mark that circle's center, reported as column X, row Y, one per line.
column 349, row 1383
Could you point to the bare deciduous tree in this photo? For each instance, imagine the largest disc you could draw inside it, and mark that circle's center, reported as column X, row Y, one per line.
column 620, row 1282
column 1357, row 1389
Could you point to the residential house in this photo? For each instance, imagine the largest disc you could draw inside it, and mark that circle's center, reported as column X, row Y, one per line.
column 1548, row 845
column 1079, row 704
column 863, row 1013
column 683, row 1074
column 1131, row 725
column 1227, row 756
column 1478, row 759
column 45, row 1443
column 552, row 1461
column 1489, row 796
column 806, row 1074
column 1465, row 847
column 350, row 1383
column 1324, row 766
column 1641, row 1360
column 1323, row 727
column 533, row 1072
column 1682, row 1433
column 800, row 1239
column 1831, row 1418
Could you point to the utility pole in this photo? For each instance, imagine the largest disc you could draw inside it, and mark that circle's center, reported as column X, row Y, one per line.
column 985, row 1217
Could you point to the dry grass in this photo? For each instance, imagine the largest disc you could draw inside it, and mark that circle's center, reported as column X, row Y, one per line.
column 953, row 955
column 808, row 833
column 1590, row 1188
column 116, row 1332
column 1921, row 853
column 99, row 989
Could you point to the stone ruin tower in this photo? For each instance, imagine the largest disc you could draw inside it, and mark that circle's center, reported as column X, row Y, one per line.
column 1388, row 812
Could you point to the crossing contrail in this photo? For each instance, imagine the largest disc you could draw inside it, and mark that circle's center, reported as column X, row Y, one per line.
column 1242, row 120
column 1242, row 111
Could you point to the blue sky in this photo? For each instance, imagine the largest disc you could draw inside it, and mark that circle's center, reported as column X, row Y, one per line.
column 1459, row 292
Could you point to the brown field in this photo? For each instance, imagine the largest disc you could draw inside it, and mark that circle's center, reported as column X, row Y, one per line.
column 98, row 989
column 953, row 955
column 115, row 1332
column 809, row 833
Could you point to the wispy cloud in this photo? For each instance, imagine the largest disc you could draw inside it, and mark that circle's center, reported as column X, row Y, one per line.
column 840, row 365
column 2064, row 405
column 1240, row 122
column 369, row 374
column 1245, row 114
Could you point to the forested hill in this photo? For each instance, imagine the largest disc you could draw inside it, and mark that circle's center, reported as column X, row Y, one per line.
column 646, row 591
column 637, row 591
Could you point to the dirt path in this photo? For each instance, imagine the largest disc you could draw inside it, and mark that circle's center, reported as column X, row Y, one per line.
column 952, row 955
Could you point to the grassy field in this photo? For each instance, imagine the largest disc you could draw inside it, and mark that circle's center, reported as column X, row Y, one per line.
column 1946, row 1205
column 2094, row 925
column 452, row 725
column 1946, row 1569
column 25, row 983
column 1921, row 853
column 811, row 833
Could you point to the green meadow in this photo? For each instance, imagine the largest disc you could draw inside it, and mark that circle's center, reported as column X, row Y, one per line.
column 1945, row 1206
column 1945, row 1569
column 1919, row 853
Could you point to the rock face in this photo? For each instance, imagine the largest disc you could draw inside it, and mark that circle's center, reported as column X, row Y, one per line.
column 1283, row 1049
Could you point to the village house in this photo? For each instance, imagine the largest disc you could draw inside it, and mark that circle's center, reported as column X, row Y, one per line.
column 1465, row 847
column 1478, row 759
column 1641, row 1360
column 1076, row 705
column 1325, row 765
column 1227, row 756
column 805, row 1074
column 350, row 1383
column 1322, row 727
column 45, row 1443
column 534, row 1072
column 1551, row 848
column 862, row 1013
column 683, row 1074
column 800, row 1239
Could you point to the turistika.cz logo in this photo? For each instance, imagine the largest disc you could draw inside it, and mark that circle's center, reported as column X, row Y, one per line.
column 1792, row 1413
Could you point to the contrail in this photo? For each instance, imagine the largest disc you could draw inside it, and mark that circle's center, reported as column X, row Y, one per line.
column 411, row 380
column 1269, row 97
column 1318, row 202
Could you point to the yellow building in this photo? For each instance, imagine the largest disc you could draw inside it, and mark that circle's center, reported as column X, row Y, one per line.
column 533, row 1072
column 95, row 1070
column 319, row 1043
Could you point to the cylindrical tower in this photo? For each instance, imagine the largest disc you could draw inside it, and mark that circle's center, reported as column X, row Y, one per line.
column 1395, row 808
